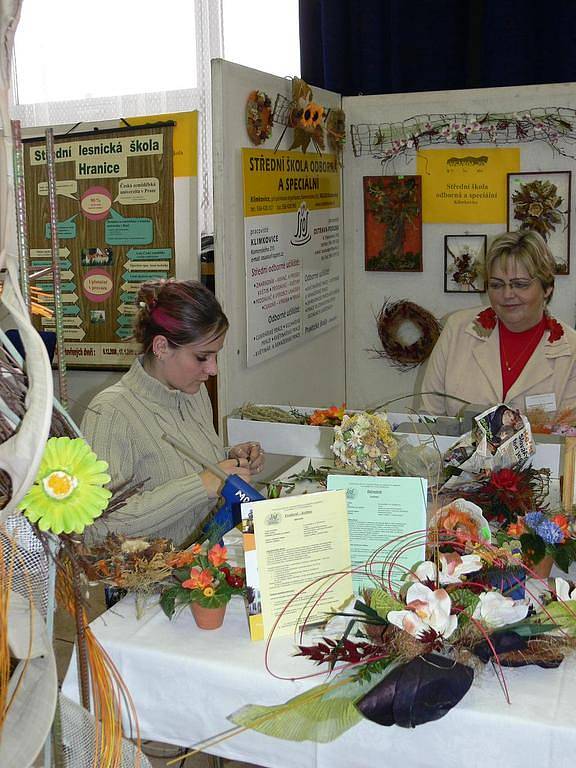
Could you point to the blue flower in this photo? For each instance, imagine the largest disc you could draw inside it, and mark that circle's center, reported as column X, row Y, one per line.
column 533, row 519
column 550, row 532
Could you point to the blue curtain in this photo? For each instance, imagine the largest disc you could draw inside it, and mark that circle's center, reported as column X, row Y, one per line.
column 399, row 46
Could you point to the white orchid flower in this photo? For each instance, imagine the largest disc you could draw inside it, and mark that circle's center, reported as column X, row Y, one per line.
column 495, row 610
column 563, row 590
column 426, row 571
column 452, row 567
column 427, row 609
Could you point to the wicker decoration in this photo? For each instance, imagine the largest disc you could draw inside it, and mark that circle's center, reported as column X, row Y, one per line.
column 391, row 318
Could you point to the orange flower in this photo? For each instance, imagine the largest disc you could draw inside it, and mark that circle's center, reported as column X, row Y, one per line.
column 217, row 555
column 516, row 529
column 327, row 416
column 198, row 579
column 460, row 523
column 196, row 549
column 179, row 559
column 562, row 523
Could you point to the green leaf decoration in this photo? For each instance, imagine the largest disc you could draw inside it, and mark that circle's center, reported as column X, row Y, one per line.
column 321, row 714
column 530, row 628
column 466, row 598
column 308, row 717
column 383, row 602
column 563, row 613
column 168, row 600
column 533, row 547
column 565, row 554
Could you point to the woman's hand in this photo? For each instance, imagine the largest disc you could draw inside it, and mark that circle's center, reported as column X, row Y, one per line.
column 213, row 484
column 252, row 452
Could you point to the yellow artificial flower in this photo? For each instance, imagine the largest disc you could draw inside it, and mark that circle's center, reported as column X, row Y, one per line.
column 67, row 494
column 208, row 592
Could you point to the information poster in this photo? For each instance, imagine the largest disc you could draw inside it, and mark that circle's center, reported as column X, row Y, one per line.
column 294, row 549
column 465, row 186
column 387, row 522
column 293, row 235
column 115, row 195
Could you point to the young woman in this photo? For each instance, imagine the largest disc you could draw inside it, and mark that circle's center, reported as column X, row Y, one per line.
column 180, row 327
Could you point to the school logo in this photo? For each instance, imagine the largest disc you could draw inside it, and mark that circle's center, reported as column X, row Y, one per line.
column 302, row 235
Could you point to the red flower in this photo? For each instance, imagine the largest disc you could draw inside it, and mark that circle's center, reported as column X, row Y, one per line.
column 505, row 480
column 555, row 330
column 487, row 319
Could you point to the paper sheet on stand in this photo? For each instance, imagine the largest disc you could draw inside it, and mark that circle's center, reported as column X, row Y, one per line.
column 380, row 511
column 292, row 544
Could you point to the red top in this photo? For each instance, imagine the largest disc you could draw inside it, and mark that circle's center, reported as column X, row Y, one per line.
column 516, row 349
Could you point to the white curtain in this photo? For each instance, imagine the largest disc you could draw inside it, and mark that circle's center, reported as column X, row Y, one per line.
column 209, row 45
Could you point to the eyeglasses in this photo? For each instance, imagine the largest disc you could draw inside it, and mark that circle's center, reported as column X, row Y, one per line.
column 514, row 284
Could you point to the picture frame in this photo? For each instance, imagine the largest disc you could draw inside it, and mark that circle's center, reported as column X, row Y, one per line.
column 569, row 474
column 464, row 263
column 393, row 223
column 541, row 200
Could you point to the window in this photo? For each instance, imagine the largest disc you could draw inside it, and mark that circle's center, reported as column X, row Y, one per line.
column 263, row 36
column 67, row 49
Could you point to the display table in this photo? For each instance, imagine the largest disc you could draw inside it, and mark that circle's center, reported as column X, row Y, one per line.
column 185, row 681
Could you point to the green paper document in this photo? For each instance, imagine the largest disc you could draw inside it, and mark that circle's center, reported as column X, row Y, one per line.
column 380, row 510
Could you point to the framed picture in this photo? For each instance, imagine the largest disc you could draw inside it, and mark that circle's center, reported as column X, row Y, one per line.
column 464, row 262
column 541, row 201
column 569, row 474
column 393, row 223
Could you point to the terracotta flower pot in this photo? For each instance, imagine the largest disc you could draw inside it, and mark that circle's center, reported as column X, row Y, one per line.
column 208, row 618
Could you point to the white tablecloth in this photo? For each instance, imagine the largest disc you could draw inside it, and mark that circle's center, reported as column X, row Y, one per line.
column 185, row 682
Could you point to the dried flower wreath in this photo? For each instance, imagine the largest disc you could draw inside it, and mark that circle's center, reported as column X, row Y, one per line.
column 390, row 320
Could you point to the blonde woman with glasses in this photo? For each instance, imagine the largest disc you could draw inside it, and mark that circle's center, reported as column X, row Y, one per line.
column 513, row 351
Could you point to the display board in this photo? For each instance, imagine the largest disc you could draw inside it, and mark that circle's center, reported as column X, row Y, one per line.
column 310, row 369
column 115, row 197
column 481, row 146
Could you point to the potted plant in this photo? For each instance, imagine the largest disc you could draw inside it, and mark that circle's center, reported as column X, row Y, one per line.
column 203, row 579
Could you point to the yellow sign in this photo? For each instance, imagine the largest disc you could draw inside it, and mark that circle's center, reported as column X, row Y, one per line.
column 278, row 182
column 185, row 139
column 466, row 186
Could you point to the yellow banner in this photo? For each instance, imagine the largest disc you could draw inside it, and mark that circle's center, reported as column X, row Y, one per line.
column 278, row 182
column 466, row 186
column 185, row 139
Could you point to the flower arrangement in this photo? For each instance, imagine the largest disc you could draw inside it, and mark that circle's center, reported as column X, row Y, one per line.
column 466, row 267
column 507, row 493
column 545, row 535
column 202, row 575
column 561, row 422
column 364, row 444
column 407, row 656
column 537, row 206
column 321, row 417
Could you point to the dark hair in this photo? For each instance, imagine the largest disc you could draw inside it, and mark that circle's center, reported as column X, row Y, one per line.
column 183, row 311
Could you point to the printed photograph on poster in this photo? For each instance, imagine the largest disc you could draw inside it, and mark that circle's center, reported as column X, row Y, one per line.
column 540, row 201
column 393, row 223
column 464, row 261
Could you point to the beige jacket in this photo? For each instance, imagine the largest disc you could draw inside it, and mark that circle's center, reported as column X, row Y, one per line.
column 466, row 363
column 124, row 426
